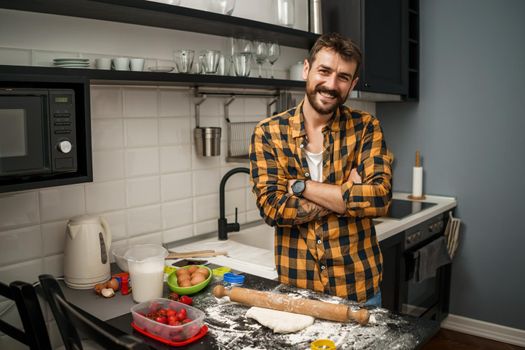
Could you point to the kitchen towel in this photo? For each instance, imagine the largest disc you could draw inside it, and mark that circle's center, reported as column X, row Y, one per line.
column 430, row 258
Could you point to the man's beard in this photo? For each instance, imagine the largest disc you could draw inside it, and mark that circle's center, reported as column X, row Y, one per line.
column 320, row 108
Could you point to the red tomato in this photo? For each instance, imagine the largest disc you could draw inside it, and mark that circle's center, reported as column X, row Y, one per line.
column 182, row 314
column 186, row 300
column 162, row 319
column 171, row 312
column 186, row 320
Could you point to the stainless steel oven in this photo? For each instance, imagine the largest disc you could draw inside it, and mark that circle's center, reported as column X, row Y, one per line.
column 428, row 297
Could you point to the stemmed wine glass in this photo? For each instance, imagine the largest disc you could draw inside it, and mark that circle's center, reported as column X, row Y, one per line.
column 273, row 54
column 261, row 53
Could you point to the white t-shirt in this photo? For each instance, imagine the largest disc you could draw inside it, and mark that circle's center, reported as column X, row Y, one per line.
column 315, row 164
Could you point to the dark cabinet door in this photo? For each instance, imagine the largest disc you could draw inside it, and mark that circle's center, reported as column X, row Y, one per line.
column 380, row 28
column 385, row 61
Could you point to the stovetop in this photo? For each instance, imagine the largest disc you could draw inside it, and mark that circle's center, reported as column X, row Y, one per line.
column 401, row 208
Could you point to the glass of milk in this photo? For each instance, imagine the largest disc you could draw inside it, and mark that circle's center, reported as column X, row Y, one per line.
column 146, row 269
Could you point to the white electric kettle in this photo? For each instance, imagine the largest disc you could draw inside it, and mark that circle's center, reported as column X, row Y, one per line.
column 86, row 253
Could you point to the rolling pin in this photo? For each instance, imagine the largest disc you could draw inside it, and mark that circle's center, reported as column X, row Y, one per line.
column 195, row 254
column 315, row 308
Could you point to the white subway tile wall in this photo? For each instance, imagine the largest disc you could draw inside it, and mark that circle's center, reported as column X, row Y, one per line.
column 148, row 181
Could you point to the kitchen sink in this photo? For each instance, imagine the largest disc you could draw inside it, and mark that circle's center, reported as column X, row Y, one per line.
column 249, row 250
column 261, row 236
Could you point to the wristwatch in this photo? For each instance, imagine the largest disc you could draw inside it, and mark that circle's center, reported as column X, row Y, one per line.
column 298, row 187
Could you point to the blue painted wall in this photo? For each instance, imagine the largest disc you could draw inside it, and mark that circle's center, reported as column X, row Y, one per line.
column 470, row 128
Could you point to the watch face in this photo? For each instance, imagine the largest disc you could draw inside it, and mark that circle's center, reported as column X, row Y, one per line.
column 298, row 187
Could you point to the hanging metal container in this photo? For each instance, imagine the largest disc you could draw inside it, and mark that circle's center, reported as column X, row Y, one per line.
column 315, row 17
column 208, row 141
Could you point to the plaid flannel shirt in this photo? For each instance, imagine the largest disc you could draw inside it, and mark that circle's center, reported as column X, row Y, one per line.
column 334, row 254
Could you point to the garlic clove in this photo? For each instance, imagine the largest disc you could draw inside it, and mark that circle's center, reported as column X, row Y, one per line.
column 107, row 292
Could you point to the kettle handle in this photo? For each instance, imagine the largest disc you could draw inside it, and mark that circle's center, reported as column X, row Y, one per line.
column 107, row 232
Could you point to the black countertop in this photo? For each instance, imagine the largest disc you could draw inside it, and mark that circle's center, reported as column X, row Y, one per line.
column 229, row 329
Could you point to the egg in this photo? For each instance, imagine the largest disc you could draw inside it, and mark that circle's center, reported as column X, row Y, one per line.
column 113, row 284
column 192, row 269
column 197, row 278
column 185, row 283
column 181, row 272
column 98, row 287
column 203, row 271
column 183, row 278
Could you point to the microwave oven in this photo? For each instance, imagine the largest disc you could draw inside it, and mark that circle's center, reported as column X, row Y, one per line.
column 40, row 132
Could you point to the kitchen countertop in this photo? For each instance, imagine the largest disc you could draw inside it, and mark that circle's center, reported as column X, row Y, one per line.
column 229, row 329
column 390, row 227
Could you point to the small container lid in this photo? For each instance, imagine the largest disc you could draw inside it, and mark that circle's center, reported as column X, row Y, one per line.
column 220, row 271
column 233, row 278
column 322, row 344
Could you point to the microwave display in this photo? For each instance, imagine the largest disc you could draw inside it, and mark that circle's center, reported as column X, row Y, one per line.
column 37, row 132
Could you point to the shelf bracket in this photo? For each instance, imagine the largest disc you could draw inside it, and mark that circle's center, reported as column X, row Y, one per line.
column 269, row 106
column 203, row 98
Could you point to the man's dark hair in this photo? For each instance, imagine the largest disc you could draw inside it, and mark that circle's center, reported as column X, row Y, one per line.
column 341, row 45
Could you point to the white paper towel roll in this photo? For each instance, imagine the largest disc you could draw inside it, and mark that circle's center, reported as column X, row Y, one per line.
column 417, row 181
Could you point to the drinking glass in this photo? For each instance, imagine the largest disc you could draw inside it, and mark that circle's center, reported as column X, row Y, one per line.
column 260, row 53
column 224, row 7
column 241, row 63
column 211, row 61
column 285, row 12
column 273, row 54
column 241, row 45
column 184, row 60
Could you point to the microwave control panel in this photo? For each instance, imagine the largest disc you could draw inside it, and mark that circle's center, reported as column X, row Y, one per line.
column 62, row 123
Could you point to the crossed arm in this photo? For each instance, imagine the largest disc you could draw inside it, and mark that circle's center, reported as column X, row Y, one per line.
column 326, row 196
column 354, row 197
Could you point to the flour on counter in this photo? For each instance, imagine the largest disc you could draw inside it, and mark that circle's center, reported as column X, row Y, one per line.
column 232, row 330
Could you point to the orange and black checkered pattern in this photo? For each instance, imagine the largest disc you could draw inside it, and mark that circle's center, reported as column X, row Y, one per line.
column 334, row 254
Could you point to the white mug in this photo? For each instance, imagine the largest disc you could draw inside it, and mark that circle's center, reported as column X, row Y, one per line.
column 137, row 64
column 120, row 63
column 103, row 63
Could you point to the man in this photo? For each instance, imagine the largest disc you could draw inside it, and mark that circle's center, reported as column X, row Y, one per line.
column 320, row 172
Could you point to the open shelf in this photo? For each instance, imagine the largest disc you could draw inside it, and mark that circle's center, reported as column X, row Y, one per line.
column 149, row 78
column 160, row 15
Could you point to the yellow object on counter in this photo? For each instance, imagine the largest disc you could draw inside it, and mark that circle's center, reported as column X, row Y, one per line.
column 322, row 344
column 220, row 271
column 169, row 269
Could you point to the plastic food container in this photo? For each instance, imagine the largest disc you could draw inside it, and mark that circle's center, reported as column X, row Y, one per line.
column 170, row 333
column 233, row 280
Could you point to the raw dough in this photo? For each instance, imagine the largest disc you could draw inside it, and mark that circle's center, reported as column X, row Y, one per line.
column 280, row 321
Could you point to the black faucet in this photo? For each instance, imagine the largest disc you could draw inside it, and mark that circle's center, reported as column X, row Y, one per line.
column 224, row 227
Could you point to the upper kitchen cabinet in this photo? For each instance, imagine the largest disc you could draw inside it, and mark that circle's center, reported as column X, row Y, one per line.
column 383, row 29
column 160, row 15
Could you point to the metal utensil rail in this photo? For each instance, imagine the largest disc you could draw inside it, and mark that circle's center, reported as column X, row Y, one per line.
column 238, row 133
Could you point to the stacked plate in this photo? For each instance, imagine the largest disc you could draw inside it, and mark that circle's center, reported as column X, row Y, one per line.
column 71, row 62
